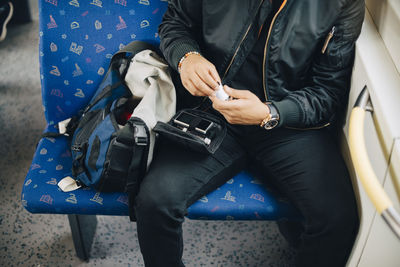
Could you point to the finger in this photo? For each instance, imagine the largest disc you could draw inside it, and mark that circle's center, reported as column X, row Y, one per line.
column 208, row 79
column 229, row 118
column 238, row 93
column 214, row 74
column 224, row 112
column 229, row 106
column 201, row 86
column 188, row 85
column 193, row 90
column 228, row 114
column 212, row 97
column 218, row 104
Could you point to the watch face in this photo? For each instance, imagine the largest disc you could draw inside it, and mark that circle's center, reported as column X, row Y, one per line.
column 271, row 124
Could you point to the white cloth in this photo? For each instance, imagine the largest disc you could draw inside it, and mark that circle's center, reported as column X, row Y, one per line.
column 148, row 78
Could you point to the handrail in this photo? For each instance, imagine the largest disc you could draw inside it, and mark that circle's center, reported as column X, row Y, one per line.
column 362, row 164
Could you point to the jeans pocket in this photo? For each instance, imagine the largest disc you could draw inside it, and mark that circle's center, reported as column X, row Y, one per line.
column 230, row 152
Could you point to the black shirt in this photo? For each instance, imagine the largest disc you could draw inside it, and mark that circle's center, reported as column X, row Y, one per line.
column 250, row 75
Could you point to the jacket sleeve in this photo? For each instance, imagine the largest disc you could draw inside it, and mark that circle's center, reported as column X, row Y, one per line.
column 328, row 84
column 180, row 29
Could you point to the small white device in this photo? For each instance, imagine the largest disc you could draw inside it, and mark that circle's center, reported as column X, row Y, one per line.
column 221, row 94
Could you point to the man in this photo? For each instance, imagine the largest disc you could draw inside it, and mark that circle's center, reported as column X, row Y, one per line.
column 287, row 66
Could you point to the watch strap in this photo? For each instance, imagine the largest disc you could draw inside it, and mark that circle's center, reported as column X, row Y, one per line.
column 272, row 120
column 273, row 110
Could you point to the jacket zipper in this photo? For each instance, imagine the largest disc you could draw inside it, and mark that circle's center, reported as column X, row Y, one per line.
column 266, row 46
column 237, row 49
column 328, row 39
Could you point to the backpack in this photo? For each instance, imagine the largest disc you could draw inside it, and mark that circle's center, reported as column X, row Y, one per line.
column 109, row 149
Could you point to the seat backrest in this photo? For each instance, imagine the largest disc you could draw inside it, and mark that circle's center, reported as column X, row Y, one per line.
column 77, row 41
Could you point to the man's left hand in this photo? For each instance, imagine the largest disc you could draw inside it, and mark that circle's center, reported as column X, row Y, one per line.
column 245, row 108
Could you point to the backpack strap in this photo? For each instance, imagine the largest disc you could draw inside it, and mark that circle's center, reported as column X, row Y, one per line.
column 133, row 48
column 121, row 60
column 138, row 166
column 51, row 135
column 65, row 128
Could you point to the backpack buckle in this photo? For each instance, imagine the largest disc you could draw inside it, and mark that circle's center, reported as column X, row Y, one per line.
column 140, row 135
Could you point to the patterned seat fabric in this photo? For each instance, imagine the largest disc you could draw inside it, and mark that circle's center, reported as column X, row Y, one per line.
column 77, row 40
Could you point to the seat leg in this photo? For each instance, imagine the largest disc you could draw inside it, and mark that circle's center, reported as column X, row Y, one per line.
column 83, row 228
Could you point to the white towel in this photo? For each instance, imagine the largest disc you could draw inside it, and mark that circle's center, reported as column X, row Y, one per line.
column 148, row 77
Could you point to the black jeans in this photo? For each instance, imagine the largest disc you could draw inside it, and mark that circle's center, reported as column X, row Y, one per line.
column 305, row 165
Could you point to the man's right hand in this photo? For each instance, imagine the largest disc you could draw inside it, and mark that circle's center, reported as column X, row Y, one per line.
column 199, row 76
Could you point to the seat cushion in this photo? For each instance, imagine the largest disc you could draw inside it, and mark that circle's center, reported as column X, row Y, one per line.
column 242, row 198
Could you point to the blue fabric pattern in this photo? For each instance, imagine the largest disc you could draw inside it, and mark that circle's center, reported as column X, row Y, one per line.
column 77, row 41
column 243, row 197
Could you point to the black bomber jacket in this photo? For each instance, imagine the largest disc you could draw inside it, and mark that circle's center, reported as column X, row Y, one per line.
column 308, row 55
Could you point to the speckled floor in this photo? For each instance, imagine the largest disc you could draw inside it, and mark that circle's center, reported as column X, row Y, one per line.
column 45, row 240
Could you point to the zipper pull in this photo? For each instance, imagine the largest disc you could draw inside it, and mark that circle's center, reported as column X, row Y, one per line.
column 328, row 39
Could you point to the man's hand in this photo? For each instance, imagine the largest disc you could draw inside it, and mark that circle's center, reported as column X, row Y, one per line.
column 199, row 76
column 245, row 108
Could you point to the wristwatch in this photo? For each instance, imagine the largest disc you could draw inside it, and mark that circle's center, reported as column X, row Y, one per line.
column 272, row 120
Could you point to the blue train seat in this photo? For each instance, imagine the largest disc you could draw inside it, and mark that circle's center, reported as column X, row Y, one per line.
column 77, row 40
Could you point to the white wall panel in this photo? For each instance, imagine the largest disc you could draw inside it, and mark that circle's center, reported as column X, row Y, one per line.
column 383, row 247
column 386, row 15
